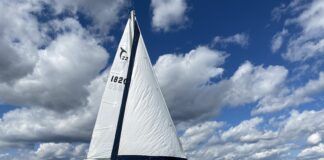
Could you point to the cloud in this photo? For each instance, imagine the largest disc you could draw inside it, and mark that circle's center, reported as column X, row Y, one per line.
column 312, row 152
column 278, row 39
column 281, row 139
column 294, row 6
column 196, row 135
column 229, row 144
column 300, row 123
column 48, row 62
column 168, row 14
column 185, row 79
column 13, row 65
column 314, row 138
column 294, row 97
column 19, row 39
column 47, row 69
column 25, row 126
column 23, row 32
column 268, row 154
column 246, row 131
column 52, row 151
column 308, row 43
column 251, row 83
column 68, row 64
column 19, row 154
column 50, row 70
column 188, row 80
column 241, row 39
column 49, row 151
column 103, row 14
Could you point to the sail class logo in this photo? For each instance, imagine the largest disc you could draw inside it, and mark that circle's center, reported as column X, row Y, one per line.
column 122, row 56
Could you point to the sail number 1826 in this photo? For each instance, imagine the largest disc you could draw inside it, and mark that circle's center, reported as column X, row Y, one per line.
column 117, row 79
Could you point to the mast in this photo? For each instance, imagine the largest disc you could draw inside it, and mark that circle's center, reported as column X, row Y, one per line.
column 134, row 41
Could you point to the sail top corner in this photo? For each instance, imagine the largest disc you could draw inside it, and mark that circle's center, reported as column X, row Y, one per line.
column 132, row 13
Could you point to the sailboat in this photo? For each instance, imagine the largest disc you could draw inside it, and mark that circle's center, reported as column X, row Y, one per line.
column 133, row 121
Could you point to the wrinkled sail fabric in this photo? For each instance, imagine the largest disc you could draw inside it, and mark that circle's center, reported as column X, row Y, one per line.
column 147, row 130
column 104, row 131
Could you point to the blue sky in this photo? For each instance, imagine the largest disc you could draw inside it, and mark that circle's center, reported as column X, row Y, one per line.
column 242, row 79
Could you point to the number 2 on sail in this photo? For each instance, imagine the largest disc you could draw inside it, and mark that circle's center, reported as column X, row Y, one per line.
column 117, row 79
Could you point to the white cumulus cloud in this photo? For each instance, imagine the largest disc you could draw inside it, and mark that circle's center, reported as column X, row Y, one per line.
column 192, row 91
column 241, row 39
column 291, row 98
column 256, row 138
column 168, row 14
column 278, row 39
column 312, row 152
column 308, row 43
column 314, row 138
column 52, row 151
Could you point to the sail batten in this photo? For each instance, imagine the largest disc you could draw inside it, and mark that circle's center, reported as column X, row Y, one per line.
column 133, row 121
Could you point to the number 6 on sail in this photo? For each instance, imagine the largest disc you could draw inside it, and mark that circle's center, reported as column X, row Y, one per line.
column 133, row 122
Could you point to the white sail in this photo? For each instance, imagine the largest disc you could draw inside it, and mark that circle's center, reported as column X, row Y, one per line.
column 148, row 128
column 104, row 131
column 145, row 128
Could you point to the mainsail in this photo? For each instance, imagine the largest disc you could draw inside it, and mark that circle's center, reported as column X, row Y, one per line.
column 133, row 121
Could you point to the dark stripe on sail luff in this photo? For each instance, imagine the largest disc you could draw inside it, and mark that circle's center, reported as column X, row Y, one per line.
column 114, row 152
column 140, row 157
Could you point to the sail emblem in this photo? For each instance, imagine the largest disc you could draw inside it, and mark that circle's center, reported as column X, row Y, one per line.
column 123, row 54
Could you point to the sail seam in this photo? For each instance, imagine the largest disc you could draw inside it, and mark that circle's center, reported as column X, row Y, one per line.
column 115, row 148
